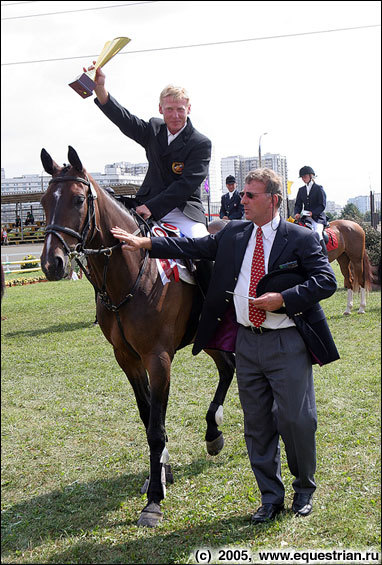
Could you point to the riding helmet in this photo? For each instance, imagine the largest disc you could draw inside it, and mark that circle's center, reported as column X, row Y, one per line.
column 306, row 171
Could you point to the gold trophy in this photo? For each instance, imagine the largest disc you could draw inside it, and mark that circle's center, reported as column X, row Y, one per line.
column 84, row 84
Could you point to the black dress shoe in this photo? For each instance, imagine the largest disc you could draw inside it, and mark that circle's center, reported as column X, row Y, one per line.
column 266, row 513
column 302, row 504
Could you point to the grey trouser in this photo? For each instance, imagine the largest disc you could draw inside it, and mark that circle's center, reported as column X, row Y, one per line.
column 275, row 380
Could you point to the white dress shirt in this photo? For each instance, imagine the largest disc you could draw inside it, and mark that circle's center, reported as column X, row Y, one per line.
column 273, row 321
column 187, row 227
column 172, row 136
column 309, row 186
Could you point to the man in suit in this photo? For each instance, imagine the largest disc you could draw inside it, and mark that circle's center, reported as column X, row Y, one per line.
column 274, row 366
column 178, row 157
column 231, row 206
column 312, row 199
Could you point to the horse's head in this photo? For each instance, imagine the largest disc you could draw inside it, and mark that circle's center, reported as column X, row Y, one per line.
column 69, row 207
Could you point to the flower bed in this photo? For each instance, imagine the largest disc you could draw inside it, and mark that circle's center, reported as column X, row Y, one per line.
column 24, row 280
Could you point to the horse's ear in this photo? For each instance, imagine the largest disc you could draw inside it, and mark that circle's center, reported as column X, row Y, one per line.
column 47, row 162
column 74, row 159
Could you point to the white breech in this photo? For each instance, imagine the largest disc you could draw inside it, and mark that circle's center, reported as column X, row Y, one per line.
column 319, row 228
column 188, row 227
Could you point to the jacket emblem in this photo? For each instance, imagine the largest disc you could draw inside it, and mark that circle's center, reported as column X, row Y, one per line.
column 177, row 167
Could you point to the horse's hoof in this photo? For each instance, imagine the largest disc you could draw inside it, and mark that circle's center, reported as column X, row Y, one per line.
column 150, row 516
column 361, row 312
column 215, row 446
column 346, row 313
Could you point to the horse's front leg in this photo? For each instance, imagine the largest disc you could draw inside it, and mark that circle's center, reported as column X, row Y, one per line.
column 225, row 363
column 158, row 366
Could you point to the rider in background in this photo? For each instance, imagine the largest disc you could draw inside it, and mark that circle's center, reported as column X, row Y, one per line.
column 311, row 200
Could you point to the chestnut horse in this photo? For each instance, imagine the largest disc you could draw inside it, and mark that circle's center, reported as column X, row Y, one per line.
column 145, row 321
column 353, row 260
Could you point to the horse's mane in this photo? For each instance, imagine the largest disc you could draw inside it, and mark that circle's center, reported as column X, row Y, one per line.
column 110, row 199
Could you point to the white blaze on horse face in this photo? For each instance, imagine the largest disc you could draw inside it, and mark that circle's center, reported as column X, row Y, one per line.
column 56, row 195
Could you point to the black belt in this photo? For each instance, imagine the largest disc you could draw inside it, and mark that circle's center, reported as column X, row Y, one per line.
column 259, row 330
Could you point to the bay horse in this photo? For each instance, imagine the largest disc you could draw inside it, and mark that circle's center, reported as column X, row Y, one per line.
column 145, row 321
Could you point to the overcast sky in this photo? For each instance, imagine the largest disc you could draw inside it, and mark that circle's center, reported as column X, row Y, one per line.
column 317, row 95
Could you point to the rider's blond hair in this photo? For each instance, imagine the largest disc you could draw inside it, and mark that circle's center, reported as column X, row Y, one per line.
column 177, row 92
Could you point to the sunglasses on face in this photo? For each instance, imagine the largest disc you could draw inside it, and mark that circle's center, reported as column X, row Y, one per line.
column 251, row 195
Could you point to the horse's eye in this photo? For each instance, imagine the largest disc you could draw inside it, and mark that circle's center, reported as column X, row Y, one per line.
column 79, row 200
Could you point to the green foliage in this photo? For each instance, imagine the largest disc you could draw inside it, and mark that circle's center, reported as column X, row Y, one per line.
column 330, row 217
column 351, row 212
column 74, row 451
column 372, row 243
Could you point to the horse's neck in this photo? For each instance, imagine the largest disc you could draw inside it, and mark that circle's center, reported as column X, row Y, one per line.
column 111, row 214
column 121, row 267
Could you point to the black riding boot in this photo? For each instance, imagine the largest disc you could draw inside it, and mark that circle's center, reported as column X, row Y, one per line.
column 323, row 245
column 203, row 274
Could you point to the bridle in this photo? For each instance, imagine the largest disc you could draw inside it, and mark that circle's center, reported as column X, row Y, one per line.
column 80, row 249
column 55, row 229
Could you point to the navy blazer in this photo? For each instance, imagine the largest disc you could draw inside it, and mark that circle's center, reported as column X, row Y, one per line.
column 315, row 202
column 175, row 171
column 227, row 248
column 231, row 206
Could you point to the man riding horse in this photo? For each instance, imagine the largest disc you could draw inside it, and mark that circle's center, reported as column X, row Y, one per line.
column 178, row 157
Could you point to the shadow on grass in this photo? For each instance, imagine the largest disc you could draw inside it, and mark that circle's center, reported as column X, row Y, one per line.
column 354, row 315
column 178, row 546
column 77, row 508
column 58, row 328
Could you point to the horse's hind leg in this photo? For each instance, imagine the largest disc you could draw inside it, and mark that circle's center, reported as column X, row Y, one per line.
column 344, row 263
column 360, row 278
column 362, row 304
column 225, row 363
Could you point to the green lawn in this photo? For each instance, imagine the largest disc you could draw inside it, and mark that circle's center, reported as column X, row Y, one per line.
column 74, row 452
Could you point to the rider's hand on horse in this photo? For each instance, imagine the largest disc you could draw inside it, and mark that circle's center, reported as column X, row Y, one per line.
column 270, row 301
column 131, row 242
column 297, row 216
column 143, row 211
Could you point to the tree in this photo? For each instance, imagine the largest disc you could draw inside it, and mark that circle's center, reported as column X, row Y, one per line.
column 330, row 217
column 351, row 212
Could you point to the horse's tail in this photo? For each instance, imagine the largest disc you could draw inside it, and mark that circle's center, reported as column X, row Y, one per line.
column 367, row 271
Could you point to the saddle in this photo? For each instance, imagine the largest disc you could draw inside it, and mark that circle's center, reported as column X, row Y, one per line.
column 328, row 234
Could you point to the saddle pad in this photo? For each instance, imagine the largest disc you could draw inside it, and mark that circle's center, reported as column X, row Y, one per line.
column 168, row 267
column 333, row 241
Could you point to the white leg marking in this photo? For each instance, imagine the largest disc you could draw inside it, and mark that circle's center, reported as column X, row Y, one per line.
column 349, row 305
column 219, row 415
column 362, row 305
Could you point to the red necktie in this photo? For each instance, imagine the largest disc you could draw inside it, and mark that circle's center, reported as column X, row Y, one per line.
column 257, row 316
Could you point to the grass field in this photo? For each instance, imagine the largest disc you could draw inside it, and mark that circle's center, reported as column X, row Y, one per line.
column 74, row 452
